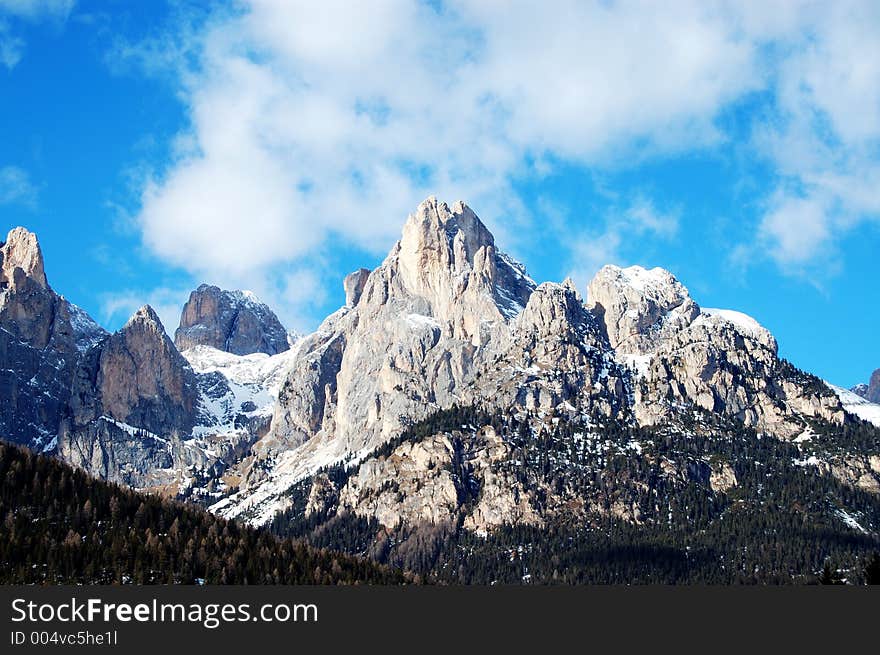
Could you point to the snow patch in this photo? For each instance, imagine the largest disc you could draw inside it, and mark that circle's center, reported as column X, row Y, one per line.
column 420, row 320
column 639, row 363
column 745, row 323
column 251, row 379
column 849, row 521
column 856, row 405
column 643, row 279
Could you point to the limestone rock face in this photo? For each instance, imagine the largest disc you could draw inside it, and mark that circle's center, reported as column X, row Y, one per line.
column 22, row 251
column 448, row 319
column 723, row 367
column 720, row 361
column 133, row 396
column 430, row 480
column 722, row 478
column 413, row 485
column 28, row 309
column 231, row 321
column 140, row 379
column 859, row 471
column 42, row 336
column 410, row 343
column 555, row 357
column 640, row 308
column 354, row 285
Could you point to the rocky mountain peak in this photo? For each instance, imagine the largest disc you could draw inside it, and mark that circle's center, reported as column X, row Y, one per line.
column 138, row 377
column 870, row 391
column 640, row 307
column 434, row 225
column 145, row 318
column 438, row 241
column 21, row 252
column 354, row 285
column 232, row 321
column 448, row 259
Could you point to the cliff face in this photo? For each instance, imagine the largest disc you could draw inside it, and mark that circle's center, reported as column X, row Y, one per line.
column 231, row 321
column 448, row 319
column 137, row 377
column 42, row 337
column 134, row 398
column 720, row 361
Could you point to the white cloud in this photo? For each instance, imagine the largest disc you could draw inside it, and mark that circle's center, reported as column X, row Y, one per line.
column 306, row 127
column 824, row 140
column 12, row 45
column 796, row 228
column 16, row 187
column 323, row 122
column 38, row 9
column 623, row 229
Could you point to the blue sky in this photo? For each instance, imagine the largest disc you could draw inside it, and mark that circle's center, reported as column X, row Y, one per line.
column 276, row 145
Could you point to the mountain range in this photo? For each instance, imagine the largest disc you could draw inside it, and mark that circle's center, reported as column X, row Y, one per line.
column 453, row 405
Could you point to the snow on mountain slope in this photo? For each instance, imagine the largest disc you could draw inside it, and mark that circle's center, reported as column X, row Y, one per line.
column 857, row 405
column 248, row 384
column 743, row 321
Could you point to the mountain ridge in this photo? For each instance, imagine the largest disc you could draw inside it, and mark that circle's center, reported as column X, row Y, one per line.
column 447, row 319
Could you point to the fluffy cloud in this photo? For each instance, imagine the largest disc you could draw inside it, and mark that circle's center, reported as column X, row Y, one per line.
column 305, row 126
column 623, row 226
column 16, row 187
column 12, row 45
column 322, row 122
column 825, row 138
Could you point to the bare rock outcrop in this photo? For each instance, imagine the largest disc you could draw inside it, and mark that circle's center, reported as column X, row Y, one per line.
column 640, row 308
column 231, row 321
column 42, row 337
column 354, row 285
column 723, row 478
column 432, row 480
column 133, row 398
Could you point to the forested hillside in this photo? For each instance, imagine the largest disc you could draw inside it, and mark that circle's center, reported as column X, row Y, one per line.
column 59, row 525
column 623, row 504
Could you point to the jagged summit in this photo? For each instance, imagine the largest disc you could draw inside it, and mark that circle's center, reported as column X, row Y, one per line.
column 445, row 320
column 21, row 251
column 640, row 307
column 434, row 221
column 236, row 322
column 145, row 316
column 871, row 390
column 448, row 319
column 447, row 257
